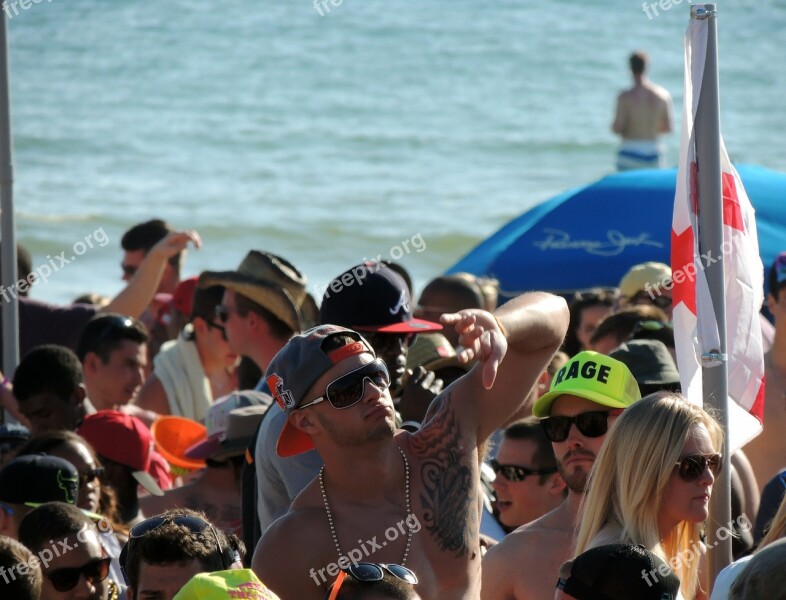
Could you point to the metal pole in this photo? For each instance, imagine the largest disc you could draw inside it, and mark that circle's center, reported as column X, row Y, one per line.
column 710, row 220
column 10, row 310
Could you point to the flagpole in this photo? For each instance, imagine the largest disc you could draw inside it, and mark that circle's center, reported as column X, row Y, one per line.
column 10, row 310
column 710, row 239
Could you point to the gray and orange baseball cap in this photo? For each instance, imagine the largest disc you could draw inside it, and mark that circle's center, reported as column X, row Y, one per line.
column 296, row 367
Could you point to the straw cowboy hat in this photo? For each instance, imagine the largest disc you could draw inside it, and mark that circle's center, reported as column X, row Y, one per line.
column 272, row 282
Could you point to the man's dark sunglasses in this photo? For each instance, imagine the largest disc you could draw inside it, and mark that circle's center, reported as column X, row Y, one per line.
column 659, row 301
column 66, row 579
column 591, row 424
column 348, row 389
column 518, row 473
column 691, row 468
column 386, row 343
column 221, row 328
column 192, row 523
column 222, row 312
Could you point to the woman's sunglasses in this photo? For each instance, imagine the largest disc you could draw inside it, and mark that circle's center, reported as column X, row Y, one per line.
column 517, row 473
column 348, row 389
column 66, row 579
column 691, row 468
column 591, row 424
column 90, row 475
column 371, row 572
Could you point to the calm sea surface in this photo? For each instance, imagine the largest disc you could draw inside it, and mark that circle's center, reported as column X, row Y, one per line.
column 328, row 139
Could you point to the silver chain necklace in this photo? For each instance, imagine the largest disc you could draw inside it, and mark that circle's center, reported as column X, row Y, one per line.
column 330, row 515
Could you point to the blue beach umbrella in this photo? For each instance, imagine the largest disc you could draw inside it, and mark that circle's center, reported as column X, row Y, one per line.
column 590, row 236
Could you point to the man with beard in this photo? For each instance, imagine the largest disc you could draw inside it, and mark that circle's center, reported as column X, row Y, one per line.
column 586, row 397
column 384, row 494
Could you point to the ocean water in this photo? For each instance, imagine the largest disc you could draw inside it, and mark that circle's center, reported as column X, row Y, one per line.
column 412, row 129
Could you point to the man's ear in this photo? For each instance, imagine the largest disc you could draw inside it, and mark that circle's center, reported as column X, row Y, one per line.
column 90, row 364
column 199, row 324
column 557, row 485
column 79, row 395
column 303, row 421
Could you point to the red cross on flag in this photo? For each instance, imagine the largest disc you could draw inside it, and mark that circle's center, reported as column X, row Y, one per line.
column 695, row 328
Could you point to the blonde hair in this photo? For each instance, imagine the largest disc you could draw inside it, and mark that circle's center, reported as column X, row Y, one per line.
column 777, row 528
column 629, row 477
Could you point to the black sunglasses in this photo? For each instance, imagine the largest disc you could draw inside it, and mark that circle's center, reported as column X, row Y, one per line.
column 111, row 326
column 89, row 475
column 348, row 389
column 518, row 473
column 370, row 572
column 386, row 343
column 591, row 424
column 221, row 328
column 222, row 312
column 65, row 580
column 192, row 523
column 659, row 301
column 691, row 468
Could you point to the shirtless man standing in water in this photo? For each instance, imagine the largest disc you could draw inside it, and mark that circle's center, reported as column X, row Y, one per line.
column 643, row 113
column 386, row 495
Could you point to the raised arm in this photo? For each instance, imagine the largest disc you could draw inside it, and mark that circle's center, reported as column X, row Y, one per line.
column 136, row 296
column 512, row 346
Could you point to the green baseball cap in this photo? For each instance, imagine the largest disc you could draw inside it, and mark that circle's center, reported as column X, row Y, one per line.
column 594, row 376
column 225, row 585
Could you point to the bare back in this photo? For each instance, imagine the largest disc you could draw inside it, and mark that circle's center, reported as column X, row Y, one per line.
column 525, row 564
column 643, row 112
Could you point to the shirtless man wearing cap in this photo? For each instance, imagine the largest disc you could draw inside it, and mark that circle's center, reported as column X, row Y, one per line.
column 586, row 397
column 386, row 495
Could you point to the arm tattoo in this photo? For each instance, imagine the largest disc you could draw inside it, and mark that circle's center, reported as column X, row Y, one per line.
column 450, row 509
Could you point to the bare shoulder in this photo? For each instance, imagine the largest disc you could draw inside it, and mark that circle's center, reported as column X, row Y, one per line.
column 289, row 552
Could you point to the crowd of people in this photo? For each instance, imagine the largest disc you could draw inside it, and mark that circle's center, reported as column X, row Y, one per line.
column 228, row 436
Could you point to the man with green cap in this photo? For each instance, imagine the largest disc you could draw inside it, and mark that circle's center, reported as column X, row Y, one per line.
column 586, row 397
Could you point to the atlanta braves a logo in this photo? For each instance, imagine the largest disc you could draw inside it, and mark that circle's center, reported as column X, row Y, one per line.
column 403, row 302
column 284, row 397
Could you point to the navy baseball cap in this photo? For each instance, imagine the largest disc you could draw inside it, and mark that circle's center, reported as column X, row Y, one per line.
column 371, row 297
column 34, row 479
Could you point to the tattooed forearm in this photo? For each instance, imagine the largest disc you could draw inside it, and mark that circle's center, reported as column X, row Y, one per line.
column 449, row 495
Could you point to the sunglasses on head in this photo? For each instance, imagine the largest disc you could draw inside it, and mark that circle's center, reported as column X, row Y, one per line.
column 691, row 467
column 192, row 523
column 371, row 572
column 348, row 389
column 66, row 579
column 590, row 424
column 517, row 473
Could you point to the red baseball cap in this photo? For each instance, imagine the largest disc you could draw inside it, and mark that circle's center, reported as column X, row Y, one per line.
column 123, row 439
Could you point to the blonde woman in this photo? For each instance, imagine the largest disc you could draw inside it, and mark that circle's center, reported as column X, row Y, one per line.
column 652, row 482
